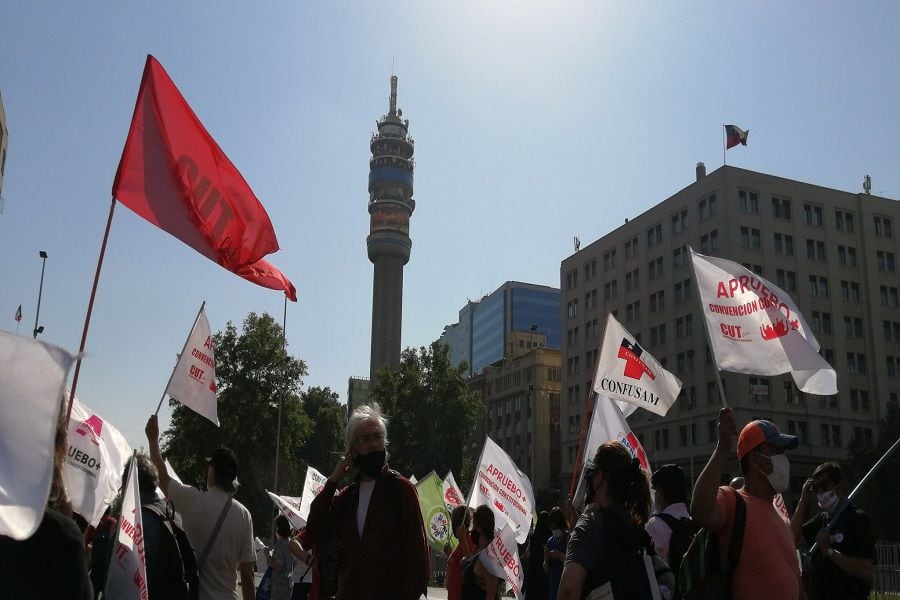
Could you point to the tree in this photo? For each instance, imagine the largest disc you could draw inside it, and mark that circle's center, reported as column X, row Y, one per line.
column 253, row 371
column 325, row 444
column 430, row 411
column 880, row 494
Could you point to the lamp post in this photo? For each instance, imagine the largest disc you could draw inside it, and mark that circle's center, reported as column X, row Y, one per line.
column 37, row 313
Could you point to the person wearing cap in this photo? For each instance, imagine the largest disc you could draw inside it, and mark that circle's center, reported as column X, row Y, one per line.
column 232, row 545
column 768, row 565
column 667, row 484
column 844, row 562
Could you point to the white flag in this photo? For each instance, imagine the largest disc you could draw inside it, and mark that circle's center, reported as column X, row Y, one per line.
column 413, row 480
column 32, row 376
column 313, row 484
column 755, row 328
column 452, row 494
column 193, row 383
column 172, row 472
column 95, row 461
column 627, row 372
column 127, row 576
column 607, row 425
column 501, row 485
column 501, row 559
column 289, row 507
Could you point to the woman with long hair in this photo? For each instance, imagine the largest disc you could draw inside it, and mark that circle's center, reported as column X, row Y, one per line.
column 555, row 550
column 478, row 583
column 609, row 548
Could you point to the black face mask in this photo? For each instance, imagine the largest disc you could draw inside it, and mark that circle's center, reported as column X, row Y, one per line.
column 370, row 464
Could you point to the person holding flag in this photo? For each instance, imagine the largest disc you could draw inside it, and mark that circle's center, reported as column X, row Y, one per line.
column 478, row 582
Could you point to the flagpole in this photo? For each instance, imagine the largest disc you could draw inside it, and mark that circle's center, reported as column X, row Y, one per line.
column 712, row 347
column 724, row 146
column 281, row 396
column 114, row 542
column 183, row 348
column 87, row 319
column 477, row 466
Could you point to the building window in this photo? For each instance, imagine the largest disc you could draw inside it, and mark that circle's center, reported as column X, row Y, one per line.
column 847, row 256
column 609, row 289
column 655, row 269
column 590, row 329
column 572, row 308
column 893, row 366
column 821, row 322
column 856, row 363
column 633, row 311
column 812, row 215
column 888, row 296
column 609, row 260
column 572, row 279
column 654, row 235
column 709, row 241
column 883, row 227
column 748, row 202
column 658, row 335
column 886, row 261
column 753, row 267
column 681, row 256
column 818, row 286
column 571, row 337
column 683, row 326
column 850, row 291
column 891, row 331
column 631, row 248
column 784, row 244
column 750, row 238
column 781, row 208
column 590, row 270
column 791, row 393
column 853, row 327
column 573, row 365
column 679, row 222
column 682, row 290
column 590, row 300
column 815, row 250
column 632, row 280
column 708, row 207
column 657, row 301
column 786, row 280
column 685, row 361
column 843, row 220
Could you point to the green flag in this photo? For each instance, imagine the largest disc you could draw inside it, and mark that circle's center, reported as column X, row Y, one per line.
column 434, row 512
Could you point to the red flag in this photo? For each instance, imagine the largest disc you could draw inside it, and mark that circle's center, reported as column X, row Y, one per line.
column 173, row 174
column 267, row 275
column 19, row 314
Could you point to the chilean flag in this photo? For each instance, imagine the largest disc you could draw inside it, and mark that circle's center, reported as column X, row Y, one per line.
column 735, row 135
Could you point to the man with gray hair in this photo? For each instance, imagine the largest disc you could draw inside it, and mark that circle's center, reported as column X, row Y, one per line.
column 376, row 519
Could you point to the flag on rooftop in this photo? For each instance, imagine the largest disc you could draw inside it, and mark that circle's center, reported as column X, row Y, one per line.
column 734, row 135
column 19, row 314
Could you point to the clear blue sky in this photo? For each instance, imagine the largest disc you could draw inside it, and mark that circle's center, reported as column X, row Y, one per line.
column 527, row 116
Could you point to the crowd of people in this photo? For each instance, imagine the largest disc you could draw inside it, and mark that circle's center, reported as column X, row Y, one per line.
column 365, row 537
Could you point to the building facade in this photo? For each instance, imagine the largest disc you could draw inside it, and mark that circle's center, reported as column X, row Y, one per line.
column 357, row 393
column 834, row 252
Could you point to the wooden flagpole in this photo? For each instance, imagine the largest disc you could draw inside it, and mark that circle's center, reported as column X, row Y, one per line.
column 87, row 318
column 183, row 348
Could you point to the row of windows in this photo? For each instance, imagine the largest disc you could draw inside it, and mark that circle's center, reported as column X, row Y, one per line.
column 830, row 434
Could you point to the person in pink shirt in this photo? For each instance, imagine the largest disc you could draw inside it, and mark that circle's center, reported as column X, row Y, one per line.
column 768, row 567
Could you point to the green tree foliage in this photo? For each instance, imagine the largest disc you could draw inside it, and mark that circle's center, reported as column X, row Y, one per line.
column 879, row 496
column 253, row 372
column 325, row 444
column 430, row 410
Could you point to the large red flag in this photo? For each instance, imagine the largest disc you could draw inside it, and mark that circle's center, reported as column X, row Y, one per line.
column 173, row 174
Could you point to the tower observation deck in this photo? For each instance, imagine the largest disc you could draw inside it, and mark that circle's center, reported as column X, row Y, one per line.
column 390, row 207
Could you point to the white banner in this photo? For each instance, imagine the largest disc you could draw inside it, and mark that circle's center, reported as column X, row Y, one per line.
column 607, row 425
column 507, row 490
column 627, row 372
column 452, row 494
column 289, row 507
column 172, row 472
column 32, row 376
column 501, row 559
column 754, row 327
column 313, row 484
column 127, row 576
column 193, row 383
column 95, row 461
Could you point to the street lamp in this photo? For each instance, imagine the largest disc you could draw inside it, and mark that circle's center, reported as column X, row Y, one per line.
column 37, row 313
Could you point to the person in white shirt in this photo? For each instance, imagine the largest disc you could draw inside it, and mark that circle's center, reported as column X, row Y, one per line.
column 668, row 488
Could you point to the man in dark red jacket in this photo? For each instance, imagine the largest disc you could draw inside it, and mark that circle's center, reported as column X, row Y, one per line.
column 377, row 519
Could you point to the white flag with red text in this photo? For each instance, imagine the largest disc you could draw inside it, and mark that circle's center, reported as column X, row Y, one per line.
column 127, row 577
column 607, row 425
column 755, row 328
column 95, row 462
column 507, row 490
column 501, row 558
column 313, row 484
column 193, row 382
column 452, row 494
column 32, row 376
column 289, row 507
column 627, row 372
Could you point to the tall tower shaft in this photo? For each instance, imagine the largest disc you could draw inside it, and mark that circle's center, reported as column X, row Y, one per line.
column 389, row 245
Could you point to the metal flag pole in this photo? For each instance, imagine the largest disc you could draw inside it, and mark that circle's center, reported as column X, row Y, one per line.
column 712, row 347
column 724, row 146
column 281, row 396
column 183, row 348
column 87, row 319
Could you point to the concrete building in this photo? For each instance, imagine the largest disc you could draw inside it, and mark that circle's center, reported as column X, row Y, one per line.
column 4, row 143
column 834, row 252
column 485, row 326
column 390, row 207
column 357, row 393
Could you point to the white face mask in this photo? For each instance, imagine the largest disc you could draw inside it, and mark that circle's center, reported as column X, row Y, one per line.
column 827, row 501
column 780, row 477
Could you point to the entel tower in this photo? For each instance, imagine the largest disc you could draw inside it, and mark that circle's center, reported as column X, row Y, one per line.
column 390, row 207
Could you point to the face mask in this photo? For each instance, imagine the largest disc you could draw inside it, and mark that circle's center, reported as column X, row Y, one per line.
column 827, row 501
column 780, row 477
column 370, row 464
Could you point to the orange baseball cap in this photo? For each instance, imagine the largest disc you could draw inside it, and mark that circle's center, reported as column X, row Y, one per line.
column 761, row 431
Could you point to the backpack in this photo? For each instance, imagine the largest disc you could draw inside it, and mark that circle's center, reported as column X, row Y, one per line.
column 624, row 573
column 683, row 532
column 176, row 575
column 328, row 555
column 700, row 576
